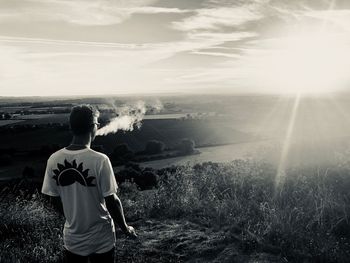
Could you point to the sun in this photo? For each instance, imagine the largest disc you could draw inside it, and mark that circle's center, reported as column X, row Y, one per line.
column 307, row 63
column 69, row 173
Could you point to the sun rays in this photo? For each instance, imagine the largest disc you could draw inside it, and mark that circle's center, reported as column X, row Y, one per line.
column 305, row 130
column 287, row 142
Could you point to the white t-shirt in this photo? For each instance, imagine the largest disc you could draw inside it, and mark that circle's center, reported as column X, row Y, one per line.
column 82, row 179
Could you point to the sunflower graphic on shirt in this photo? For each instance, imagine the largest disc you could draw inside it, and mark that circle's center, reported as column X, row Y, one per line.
column 69, row 173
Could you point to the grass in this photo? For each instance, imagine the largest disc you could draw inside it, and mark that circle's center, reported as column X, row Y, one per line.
column 305, row 220
column 30, row 230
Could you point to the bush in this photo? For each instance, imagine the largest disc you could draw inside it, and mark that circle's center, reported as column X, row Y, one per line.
column 147, row 180
column 99, row 148
column 127, row 174
column 5, row 159
column 186, row 146
column 47, row 150
column 154, row 147
column 134, row 166
column 28, row 172
column 144, row 179
column 121, row 154
column 8, row 151
column 121, row 150
column 7, row 116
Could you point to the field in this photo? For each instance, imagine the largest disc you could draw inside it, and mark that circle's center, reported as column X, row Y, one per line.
column 29, row 134
column 35, row 119
column 219, row 154
column 170, row 131
column 9, row 122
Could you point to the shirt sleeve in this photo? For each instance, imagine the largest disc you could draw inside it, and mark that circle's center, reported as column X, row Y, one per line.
column 107, row 182
column 49, row 185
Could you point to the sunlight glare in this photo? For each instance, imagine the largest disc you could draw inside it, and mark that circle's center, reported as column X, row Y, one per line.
column 314, row 63
column 287, row 143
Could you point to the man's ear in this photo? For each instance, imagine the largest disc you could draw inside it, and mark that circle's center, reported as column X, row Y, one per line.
column 92, row 132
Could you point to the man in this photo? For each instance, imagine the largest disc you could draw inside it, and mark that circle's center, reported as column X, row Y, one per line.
column 84, row 181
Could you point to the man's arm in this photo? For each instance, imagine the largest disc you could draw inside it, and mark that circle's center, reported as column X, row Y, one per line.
column 115, row 208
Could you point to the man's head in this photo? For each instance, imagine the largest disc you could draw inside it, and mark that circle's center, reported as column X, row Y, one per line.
column 84, row 120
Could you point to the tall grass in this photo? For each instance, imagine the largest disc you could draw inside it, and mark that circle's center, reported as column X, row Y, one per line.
column 30, row 230
column 304, row 220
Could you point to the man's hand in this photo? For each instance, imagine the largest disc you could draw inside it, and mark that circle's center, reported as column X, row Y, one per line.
column 131, row 232
column 115, row 208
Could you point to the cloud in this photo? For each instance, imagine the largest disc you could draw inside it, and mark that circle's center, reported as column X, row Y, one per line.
column 17, row 75
column 218, row 38
column 126, row 54
column 214, row 18
column 300, row 62
column 338, row 18
column 82, row 12
column 42, row 66
column 219, row 54
column 199, row 44
column 155, row 10
column 220, row 22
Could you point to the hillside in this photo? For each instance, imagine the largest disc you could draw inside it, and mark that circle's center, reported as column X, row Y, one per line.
column 185, row 241
column 231, row 212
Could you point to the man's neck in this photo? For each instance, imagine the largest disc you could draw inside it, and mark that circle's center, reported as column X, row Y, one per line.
column 80, row 142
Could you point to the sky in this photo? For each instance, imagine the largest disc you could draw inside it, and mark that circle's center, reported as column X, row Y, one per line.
column 93, row 47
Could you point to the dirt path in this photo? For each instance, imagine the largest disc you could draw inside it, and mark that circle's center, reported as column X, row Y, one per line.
column 183, row 241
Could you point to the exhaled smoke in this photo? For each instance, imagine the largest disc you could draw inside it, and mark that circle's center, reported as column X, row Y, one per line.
column 129, row 117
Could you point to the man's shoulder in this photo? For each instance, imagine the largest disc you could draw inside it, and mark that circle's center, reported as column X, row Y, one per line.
column 55, row 154
column 98, row 155
column 92, row 154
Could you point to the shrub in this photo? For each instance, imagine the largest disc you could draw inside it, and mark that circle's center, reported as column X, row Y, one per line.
column 28, row 172
column 186, row 146
column 154, row 147
column 7, row 116
column 121, row 150
column 127, row 174
column 147, row 180
column 5, row 159
column 134, row 166
column 121, row 154
column 47, row 150
column 99, row 148
column 144, row 179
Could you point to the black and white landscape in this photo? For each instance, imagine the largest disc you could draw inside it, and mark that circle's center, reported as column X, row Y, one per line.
column 227, row 124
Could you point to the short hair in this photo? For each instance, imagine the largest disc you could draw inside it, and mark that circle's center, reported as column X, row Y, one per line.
column 81, row 118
